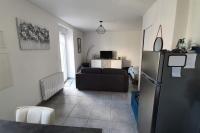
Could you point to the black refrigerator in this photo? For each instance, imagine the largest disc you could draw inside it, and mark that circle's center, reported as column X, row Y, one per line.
column 169, row 94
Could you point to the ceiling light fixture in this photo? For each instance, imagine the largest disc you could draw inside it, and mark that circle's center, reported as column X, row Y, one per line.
column 101, row 29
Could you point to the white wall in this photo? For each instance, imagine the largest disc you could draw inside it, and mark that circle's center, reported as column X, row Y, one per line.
column 172, row 15
column 162, row 12
column 193, row 27
column 180, row 27
column 125, row 43
column 179, row 18
column 28, row 67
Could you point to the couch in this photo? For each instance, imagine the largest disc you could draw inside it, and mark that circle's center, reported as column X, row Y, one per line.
column 107, row 79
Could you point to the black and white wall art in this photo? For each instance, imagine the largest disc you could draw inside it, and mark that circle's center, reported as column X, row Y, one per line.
column 79, row 44
column 32, row 37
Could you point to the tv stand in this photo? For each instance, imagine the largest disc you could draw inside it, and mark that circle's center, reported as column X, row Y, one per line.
column 106, row 63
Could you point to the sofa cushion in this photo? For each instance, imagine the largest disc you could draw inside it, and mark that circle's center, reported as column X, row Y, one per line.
column 91, row 70
column 113, row 71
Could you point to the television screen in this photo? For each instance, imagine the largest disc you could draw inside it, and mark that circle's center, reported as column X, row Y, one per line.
column 106, row 54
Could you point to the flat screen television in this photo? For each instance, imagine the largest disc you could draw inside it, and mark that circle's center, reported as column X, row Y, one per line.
column 106, row 54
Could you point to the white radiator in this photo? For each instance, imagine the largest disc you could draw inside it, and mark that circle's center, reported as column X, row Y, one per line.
column 51, row 85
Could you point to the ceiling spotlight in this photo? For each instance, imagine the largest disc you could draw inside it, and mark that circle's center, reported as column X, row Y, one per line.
column 101, row 29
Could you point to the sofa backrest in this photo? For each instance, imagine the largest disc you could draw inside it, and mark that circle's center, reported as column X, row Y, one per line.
column 103, row 71
column 91, row 70
column 113, row 71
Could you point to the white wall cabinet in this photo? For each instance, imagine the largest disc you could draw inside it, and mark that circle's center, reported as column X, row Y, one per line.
column 96, row 63
column 106, row 64
column 116, row 64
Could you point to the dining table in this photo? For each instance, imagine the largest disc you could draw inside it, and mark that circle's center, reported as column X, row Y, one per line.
column 18, row 127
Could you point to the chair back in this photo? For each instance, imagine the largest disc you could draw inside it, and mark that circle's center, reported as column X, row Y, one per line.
column 35, row 114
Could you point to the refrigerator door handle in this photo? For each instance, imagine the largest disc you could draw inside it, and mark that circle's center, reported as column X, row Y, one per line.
column 150, row 79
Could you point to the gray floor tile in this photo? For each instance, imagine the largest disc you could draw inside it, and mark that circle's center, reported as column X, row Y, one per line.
column 75, row 122
column 110, row 111
column 81, row 112
column 59, row 121
column 92, row 101
column 115, row 105
column 121, row 115
column 122, row 98
column 106, row 131
column 69, row 82
column 100, row 112
column 64, row 109
column 67, row 100
column 123, row 127
column 105, row 125
column 122, row 131
column 70, row 91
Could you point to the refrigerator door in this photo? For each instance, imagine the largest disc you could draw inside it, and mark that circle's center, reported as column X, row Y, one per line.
column 179, row 102
column 152, row 64
column 148, row 103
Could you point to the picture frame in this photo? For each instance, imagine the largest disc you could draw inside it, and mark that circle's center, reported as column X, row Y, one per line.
column 79, row 44
column 32, row 36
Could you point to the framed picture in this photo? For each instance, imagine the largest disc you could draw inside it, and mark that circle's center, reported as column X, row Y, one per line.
column 32, row 37
column 79, row 44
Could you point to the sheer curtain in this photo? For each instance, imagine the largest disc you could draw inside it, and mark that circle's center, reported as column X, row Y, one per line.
column 63, row 49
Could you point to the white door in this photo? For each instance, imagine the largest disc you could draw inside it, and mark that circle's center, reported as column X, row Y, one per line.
column 63, row 54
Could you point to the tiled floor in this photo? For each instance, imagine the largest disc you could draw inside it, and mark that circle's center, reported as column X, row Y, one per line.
column 107, row 110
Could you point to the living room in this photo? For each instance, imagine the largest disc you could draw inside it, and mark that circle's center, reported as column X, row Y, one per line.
column 103, row 66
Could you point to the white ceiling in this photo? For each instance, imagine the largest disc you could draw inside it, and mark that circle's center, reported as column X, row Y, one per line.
column 85, row 14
